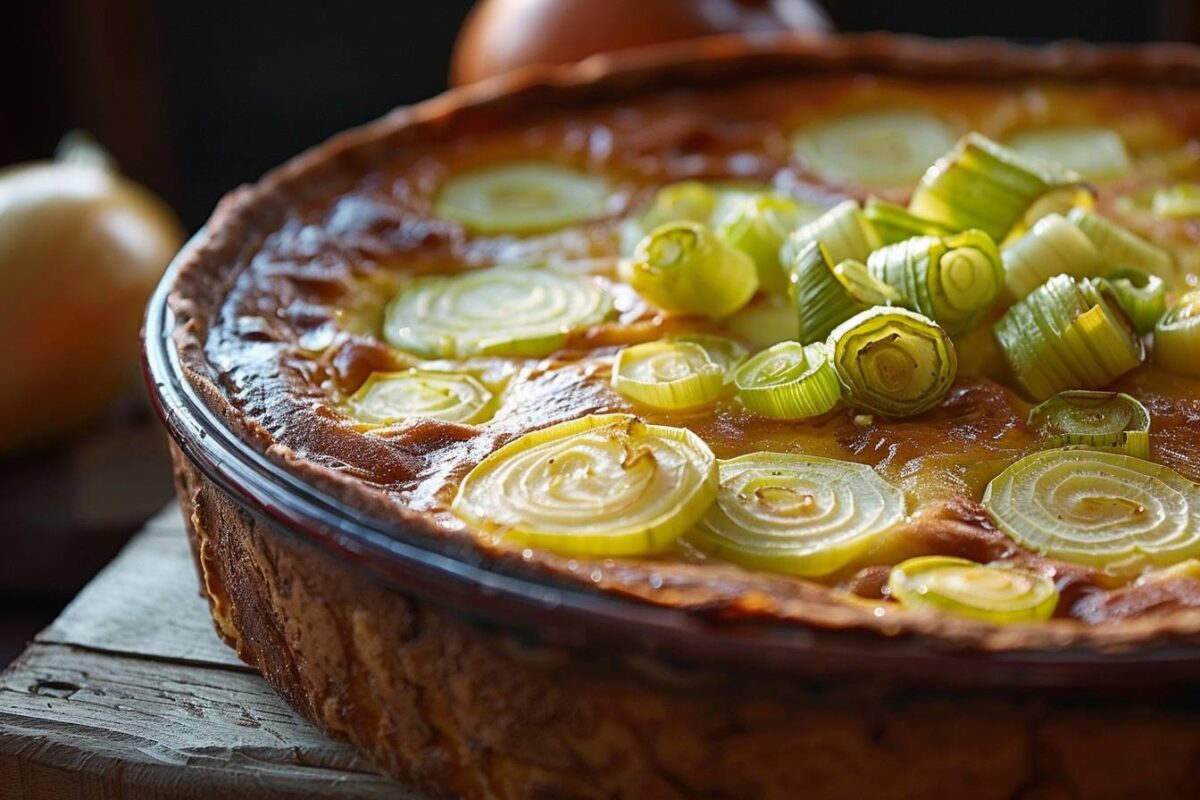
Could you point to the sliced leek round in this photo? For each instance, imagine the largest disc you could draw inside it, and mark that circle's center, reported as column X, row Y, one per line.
column 1107, row 510
column 896, row 223
column 1053, row 246
column 890, row 147
column 1141, row 295
column 827, row 295
column 1068, row 334
column 844, row 231
column 1177, row 336
column 1109, row 421
column 954, row 280
column 1180, row 201
column 726, row 353
column 390, row 397
column 797, row 514
column 758, row 225
column 789, row 381
column 1120, row 247
column 504, row 311
column 1094, row 153
column 684, row 268
column 892, row 361
column 997, row 594
column 686, row 201
column 986, row 186
column 522, row 198
column 668, row 375
column 604, row 485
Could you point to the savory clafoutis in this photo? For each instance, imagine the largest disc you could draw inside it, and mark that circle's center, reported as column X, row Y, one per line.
column 852, row 350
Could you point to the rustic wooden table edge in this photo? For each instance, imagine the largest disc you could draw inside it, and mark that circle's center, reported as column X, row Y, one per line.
column 130, row 694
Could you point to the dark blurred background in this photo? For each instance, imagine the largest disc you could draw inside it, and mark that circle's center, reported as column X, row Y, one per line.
column 193, row 98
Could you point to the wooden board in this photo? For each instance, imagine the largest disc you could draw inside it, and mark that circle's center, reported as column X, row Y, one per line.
column 130, row 694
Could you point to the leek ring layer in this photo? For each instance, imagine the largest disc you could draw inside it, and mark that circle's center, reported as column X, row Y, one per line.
column 797, row 514
column 603, row 485
column 1096, row 420
column 789, row 381
column 390, row 397
column 1107, row 510
column 985, row 592
column 668, row 375
column 890, row 147
column 1177, row 336
column 522, row 198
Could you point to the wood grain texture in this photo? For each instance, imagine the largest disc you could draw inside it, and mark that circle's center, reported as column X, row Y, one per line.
column 131, row 695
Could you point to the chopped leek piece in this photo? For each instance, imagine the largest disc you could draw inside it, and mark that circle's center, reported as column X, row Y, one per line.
column 797, row 514
column 892, row 361
column 1177, row 336
column 789, row 381
column 1120, row 247
column 828, row 295
column 1094, row 153
column 889, row 147
column 954, row 280
column 390, row 397
column 983, row 185
column 687, row 201
column 1181, row 201
column 503, row 311
column 683, row 267
column 990, row 593
column 668, row 375
column 1142, row 296
column 522, row 198
column 767, row 320
column 604, row 485
column 1096, row 420
column 726, row 353
column 896, row 223
column 843, row 230
column 1108, row 510
column 758, row 225
column 1068, row 334
column 1053, row 246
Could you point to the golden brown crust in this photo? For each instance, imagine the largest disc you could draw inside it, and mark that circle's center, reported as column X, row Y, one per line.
column 456, row 709
column 245, row 218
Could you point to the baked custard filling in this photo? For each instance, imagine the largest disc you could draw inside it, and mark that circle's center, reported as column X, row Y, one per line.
column 914, row 348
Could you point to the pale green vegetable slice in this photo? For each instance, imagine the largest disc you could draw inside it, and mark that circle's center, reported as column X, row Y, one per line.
column 603, row 485
column 826, row 295
column 844, row 231
column 1109, row 421
column 887, row 147
column 1053, row 246
column 1120, row 247
column 797, row 514
column 991, row 593
column 1107, row 510
column 390, row 397
column 683, row 267
column 506, row 311
column 671, row 376
column 789, row 381
column 522, row 197
column 1177, row 336
column 1093, row 152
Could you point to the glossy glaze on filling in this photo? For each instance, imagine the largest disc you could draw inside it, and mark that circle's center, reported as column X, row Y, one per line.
column 299, row 330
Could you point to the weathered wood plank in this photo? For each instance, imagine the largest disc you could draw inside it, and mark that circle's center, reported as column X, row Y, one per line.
column 76, row 724
column 146, row 603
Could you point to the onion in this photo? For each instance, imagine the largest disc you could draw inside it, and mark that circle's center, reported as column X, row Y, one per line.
column 81, row 249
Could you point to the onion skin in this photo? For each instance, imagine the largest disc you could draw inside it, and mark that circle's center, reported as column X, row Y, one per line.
column 503, row 35
column 81, row 249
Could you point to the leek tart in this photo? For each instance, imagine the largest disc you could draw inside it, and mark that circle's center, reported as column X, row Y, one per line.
column 1095, row 153
column 668, row 375
column 1068, row 334
column 1109, row 510
column 390, row 397
column 600, row 485
column 1053, row 246
column 503, row 311
column 827, row 295
column 1177, row 336
column 1109, row 421
column 889, row 147
column 990, row 593
column 798, row 514
column 954, row 280
column 892, row 361
column 522, row 198
column 685, row 268
column 985, row 186
column 789, row 381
